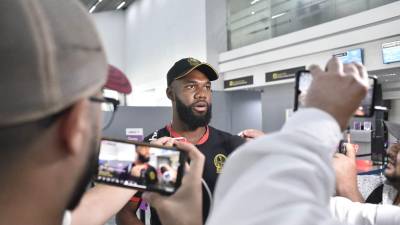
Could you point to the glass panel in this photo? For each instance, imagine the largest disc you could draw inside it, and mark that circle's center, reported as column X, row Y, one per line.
column 251, row 21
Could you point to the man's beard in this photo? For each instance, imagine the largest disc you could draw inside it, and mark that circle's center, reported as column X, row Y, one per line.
column 187, row 115
column 87, row 175
column 143, row 159
column 394, row 180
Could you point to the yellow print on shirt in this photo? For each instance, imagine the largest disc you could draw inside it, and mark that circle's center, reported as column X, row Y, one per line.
column 219, row 161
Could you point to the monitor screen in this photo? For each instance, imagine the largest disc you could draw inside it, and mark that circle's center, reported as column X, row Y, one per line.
column 391, row 52
column 354, row 55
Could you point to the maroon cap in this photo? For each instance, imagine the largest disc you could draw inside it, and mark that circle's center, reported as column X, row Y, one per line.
column 117, row 81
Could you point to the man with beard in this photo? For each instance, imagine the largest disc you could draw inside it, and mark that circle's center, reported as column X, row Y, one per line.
column 386, row 188
column 379, row 191
column 142, row 172
column 376, row 189
column 189, row 89
column 392, row 174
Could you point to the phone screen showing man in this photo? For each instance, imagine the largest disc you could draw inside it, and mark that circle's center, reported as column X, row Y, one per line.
column 140, row 166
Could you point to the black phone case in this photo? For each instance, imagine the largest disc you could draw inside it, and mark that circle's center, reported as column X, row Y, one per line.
column 371, row 110
column 296, row 88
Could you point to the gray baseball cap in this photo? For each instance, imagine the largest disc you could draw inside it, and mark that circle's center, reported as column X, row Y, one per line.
column 393, row 128
column 50, row 57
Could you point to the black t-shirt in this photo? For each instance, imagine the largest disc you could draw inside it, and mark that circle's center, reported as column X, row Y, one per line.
column 216, row 148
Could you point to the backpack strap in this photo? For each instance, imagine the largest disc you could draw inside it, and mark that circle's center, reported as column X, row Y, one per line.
column 376, row 195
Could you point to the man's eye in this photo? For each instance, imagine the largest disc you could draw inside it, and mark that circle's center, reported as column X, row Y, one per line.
column 190, row 87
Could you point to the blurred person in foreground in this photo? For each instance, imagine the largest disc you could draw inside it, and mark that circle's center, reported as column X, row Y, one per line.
column 53, row 68
column 376, row 189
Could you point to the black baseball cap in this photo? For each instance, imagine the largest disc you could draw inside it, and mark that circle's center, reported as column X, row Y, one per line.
column 186, row 65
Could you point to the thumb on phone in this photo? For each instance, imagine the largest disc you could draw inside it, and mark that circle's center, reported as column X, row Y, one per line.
column 351, row 152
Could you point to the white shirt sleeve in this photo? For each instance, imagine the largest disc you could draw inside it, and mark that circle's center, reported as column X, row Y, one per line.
column 355, row 213
column 282, row 178
column 67, row 219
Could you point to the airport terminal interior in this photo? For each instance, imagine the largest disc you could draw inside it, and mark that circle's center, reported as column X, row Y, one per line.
column 256, row 46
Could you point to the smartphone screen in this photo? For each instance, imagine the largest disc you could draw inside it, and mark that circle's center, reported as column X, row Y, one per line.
column 303, row 82
column 140, row 166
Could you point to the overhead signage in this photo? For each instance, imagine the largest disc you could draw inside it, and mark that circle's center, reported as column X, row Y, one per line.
column 282, row 74
column 237, row 82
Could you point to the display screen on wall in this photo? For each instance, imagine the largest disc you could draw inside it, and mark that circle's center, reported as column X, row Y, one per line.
column 391, row 52
column 354, row 55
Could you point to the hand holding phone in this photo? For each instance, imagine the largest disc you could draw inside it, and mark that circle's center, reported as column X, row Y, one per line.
column 337, row 90
column 188, row 196
column 140, row 165
column 304, row 80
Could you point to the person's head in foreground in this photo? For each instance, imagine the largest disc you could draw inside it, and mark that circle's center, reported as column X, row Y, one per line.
column 52, row 70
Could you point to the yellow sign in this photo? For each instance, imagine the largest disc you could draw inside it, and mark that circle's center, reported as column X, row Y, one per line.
column 281, row 75
column 233, row 83
column 219, row 161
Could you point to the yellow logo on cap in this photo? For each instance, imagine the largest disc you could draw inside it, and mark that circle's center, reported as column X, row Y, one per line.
column 193, row 61
column 219, row 161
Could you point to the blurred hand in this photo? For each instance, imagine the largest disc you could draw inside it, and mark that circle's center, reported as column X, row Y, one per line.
column 339, row 90
column 346, row 174
column 184, row 207
column 164, row 141
column 250, row 134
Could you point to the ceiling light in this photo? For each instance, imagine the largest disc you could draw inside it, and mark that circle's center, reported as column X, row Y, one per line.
column 252, row 12
column 121, row 5
column 277, row 15
column 94, row 6
column 92, row 9
column 254, row 2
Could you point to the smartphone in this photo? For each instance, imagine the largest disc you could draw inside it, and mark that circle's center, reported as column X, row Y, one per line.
column 140, row 166
column 342, row 147
column 303, row 82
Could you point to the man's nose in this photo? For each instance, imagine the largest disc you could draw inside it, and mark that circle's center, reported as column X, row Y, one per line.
column 201, row 92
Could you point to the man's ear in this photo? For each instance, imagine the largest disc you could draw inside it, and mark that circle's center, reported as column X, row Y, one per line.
column 74, row 125
column 170, row 93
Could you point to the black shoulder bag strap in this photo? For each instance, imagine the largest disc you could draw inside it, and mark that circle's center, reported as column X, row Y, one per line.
column 376, row 195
